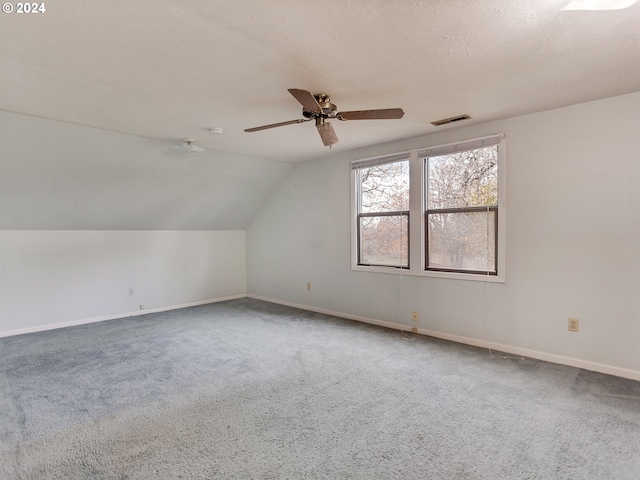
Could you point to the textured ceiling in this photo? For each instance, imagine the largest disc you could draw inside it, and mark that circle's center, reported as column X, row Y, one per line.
column 171, row 69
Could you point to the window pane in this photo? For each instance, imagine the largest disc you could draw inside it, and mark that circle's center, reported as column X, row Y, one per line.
column 463, row 179
column 384, row 240
column 462, row 241
column 385, row 188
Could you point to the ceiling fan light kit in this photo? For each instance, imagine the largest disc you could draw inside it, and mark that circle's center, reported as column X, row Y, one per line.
column 318, row 107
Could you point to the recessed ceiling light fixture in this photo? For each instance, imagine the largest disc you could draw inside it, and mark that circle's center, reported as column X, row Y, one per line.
column 444, row 121
column 215, row 131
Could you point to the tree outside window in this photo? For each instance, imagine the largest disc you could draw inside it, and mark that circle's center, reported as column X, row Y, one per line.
column 383, row 218
column 461, row 214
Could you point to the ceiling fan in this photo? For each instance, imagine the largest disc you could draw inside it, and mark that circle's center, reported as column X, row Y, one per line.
column 318, row 107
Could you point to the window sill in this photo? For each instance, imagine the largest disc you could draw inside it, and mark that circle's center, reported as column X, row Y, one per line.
column 424, row 273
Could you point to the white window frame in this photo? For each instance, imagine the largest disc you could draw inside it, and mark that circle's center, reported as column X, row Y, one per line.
column 417, row 207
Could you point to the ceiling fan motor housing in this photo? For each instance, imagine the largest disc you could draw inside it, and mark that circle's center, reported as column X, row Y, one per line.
column 328, row 108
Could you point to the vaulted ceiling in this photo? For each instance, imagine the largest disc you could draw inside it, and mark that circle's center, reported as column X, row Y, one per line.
column 164, row 70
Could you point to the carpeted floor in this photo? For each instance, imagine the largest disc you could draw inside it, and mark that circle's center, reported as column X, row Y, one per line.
column 251, row 390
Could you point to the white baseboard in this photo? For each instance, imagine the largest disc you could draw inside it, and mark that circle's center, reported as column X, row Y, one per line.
column 547, row 357
column 521, row 352
column 134, row 313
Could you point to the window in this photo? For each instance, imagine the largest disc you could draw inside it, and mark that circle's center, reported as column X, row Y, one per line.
column 383, row 213
column 461, row 218
column 438, row 211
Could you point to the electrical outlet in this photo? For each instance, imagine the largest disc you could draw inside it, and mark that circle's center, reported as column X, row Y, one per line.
column 131, row 292
column 574, row 325
column 415, row 316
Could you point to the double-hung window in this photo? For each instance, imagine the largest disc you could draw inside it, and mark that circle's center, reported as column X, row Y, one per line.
column 461, row 218
column 437, row 211
column 383, row 212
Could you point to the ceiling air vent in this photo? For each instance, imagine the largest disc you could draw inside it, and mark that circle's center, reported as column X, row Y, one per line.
column 444, row 121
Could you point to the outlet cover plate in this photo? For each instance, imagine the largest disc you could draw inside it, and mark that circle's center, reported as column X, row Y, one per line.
column 574, row 325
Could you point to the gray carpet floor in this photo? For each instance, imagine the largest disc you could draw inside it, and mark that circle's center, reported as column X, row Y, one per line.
column 246, row 389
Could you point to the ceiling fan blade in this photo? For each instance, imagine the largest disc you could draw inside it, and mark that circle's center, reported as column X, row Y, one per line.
column 308, row 101
column 386, row 113
column 273, row 125
column 327, row 134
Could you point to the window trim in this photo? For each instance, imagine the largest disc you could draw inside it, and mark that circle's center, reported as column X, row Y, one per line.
column 417, row 211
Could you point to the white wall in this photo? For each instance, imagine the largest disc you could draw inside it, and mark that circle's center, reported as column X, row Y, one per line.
column 54, row 278
column 573, row 234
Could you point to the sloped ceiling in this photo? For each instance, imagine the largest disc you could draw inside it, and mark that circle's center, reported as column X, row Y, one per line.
column 60, row 176
column 163, row 70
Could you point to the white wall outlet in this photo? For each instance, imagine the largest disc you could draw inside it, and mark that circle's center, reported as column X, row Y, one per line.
column 131, row 292
column 415, row 316
column 574, row 325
